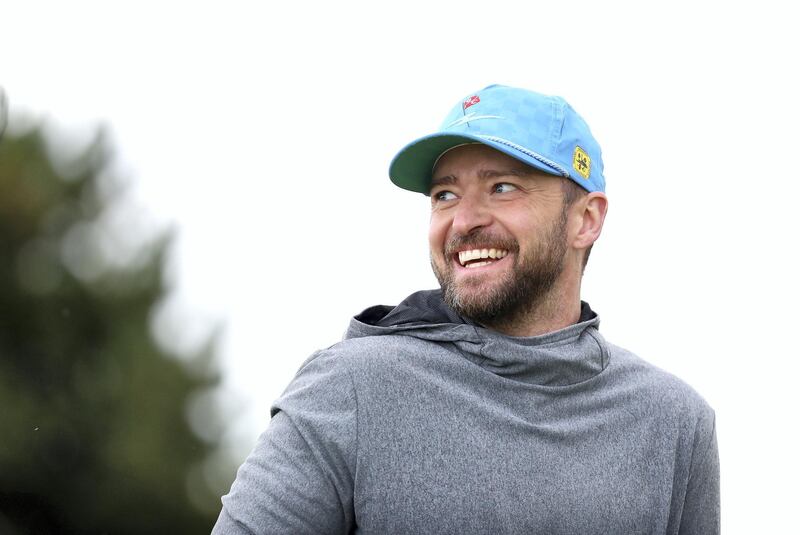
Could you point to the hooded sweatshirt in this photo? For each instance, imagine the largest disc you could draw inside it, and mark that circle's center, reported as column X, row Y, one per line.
column 420, row 421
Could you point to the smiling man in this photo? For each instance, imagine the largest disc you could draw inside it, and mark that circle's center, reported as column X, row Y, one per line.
column 508, row 240
column 492, row 405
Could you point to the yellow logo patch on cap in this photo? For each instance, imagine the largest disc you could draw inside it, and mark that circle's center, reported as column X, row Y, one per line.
column 581, row 162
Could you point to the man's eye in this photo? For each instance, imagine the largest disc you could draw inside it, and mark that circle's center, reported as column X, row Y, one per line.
column 504, row 187
column 444, row 196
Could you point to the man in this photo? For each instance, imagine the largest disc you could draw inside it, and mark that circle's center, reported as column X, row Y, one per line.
column 492, row 405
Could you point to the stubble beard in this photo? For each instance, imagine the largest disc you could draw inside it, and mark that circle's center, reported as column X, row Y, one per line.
column 520, row 292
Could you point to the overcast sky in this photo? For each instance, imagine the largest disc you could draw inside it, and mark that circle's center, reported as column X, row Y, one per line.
column 262, row 132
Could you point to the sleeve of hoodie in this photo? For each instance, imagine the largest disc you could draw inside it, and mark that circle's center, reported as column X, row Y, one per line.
column 299, row 477
column 701, row 512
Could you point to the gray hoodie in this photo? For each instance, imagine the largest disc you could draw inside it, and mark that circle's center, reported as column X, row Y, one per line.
column 421, row 422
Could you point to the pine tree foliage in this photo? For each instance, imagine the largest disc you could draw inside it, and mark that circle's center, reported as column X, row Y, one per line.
column 93, row 432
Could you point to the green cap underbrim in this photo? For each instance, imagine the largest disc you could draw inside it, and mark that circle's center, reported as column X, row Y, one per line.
column 412, row 168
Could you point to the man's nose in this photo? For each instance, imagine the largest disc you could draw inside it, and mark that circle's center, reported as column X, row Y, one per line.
column 472, row 213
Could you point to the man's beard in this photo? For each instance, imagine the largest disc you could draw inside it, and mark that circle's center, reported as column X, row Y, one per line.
column 522, row 289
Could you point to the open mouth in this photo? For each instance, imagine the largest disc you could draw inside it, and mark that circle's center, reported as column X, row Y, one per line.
column 480, row 257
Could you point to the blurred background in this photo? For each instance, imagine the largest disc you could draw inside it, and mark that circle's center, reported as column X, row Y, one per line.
column 103, row 429
column 194, row 198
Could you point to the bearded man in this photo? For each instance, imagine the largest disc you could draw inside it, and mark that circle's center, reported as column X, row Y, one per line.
column 492, row 405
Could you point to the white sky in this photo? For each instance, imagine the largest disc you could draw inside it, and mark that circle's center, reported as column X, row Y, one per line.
column 262, row 131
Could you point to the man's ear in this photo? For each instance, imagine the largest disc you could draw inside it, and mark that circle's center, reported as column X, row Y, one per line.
column 593, row 208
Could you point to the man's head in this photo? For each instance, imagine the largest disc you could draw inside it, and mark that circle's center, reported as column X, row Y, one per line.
column 511, row 226
column 505, row 238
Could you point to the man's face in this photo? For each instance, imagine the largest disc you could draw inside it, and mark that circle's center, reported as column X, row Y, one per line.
column 498, row 233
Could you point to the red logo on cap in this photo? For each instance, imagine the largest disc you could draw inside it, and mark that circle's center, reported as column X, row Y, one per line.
column 474, row 99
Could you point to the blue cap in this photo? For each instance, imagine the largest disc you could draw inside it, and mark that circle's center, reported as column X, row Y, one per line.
column 540, row 130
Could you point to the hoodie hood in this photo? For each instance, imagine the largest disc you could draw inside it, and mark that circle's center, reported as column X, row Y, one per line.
column 565, row 357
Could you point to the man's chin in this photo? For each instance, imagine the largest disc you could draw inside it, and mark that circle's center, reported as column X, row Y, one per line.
column 479, row 284
column 475, row 298
column 475, row 295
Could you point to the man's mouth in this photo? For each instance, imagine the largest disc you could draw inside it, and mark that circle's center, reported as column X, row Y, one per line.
column 480, row 257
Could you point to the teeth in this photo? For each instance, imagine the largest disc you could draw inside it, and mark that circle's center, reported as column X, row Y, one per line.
column 475, row 254
column 478, row 264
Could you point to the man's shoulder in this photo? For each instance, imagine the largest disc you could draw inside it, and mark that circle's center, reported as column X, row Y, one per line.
column 353, row 367
column 330, row 376
column 657, row 389
column 369, row 351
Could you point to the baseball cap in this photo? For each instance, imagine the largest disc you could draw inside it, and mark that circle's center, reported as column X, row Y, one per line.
column 542, row 131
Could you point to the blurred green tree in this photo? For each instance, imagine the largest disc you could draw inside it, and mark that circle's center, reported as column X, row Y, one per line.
column 93, row 430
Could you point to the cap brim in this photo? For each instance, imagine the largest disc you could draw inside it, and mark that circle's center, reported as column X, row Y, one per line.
column 412, row 168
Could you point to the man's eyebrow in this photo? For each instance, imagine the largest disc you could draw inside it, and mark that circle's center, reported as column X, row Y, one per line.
column 447, row 180
column 486, row 174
